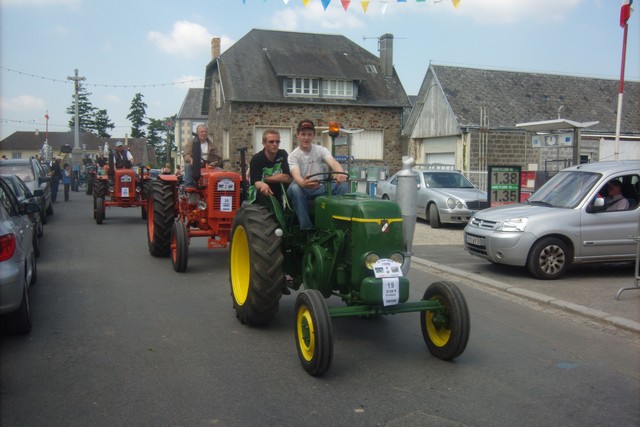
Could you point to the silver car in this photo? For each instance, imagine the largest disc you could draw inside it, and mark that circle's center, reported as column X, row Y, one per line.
column 567, row 221
column 17, row 260
column 443, row 196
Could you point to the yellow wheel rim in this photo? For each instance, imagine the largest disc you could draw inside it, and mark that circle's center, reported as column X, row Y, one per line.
column 240, row 265
column 439, row 336
column 305, row 329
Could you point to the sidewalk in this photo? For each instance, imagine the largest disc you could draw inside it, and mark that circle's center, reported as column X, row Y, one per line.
column 588, row 290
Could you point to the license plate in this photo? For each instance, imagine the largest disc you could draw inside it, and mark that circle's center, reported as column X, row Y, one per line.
column 472, row 240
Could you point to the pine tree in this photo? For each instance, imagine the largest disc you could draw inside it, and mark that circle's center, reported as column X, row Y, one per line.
column 86, row 110
column 163, row 144
column 136, row 115
column 101, row 124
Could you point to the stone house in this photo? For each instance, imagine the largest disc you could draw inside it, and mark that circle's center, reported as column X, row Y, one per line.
column 274, row 79
column 472, row 118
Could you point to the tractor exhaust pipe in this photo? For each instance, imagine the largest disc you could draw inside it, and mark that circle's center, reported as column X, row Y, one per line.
column 407, row 195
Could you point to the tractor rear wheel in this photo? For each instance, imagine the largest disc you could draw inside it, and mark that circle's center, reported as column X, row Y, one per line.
column 99, row 210
column 255, row 265
column 445, row 331
column 161, row 213
column 179, row 246
column 313, row 332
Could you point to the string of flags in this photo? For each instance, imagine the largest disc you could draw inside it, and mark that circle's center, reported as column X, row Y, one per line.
column 365, row 3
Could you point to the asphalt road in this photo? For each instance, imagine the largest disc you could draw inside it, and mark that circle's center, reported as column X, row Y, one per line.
column 119, row 338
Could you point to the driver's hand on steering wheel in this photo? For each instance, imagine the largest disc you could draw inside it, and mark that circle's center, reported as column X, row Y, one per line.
column 340, row 178
column 311, row 183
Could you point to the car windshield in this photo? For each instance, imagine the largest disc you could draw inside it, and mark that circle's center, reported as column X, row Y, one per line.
column 24, row 171
column 565, row 189
column 446, row 180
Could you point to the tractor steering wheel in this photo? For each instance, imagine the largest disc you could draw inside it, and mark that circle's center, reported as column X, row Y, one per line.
column 328, row 176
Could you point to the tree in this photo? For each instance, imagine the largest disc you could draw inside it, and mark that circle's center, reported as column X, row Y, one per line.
column 137, row 114
column 86, row 110
column 101, row 124
column 161, row 136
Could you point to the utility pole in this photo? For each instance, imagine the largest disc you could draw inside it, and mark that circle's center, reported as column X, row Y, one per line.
column 76, row 140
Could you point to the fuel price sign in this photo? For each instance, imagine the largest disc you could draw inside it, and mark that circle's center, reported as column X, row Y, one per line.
column 504, row 185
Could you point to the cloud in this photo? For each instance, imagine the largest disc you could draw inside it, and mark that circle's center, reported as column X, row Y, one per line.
column 23, row 103
column 186, row 39
column 313, row 17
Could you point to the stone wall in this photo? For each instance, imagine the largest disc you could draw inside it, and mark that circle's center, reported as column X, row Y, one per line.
column 240, row 120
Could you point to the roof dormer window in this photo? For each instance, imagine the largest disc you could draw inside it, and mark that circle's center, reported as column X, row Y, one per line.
column 301, row 86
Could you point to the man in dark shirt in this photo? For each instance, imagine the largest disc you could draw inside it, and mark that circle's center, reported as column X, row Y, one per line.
column 269, row 169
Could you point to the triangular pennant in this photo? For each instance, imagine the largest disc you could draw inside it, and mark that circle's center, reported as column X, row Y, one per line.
column 305, row 2
column 345, row 4
column 365, row 5
column 286, row 1
column 384, row 6
column 325, row 4
column 455, row 3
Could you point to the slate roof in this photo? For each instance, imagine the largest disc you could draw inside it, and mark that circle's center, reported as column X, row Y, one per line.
column 518, row 97
column 192, row 105
column 252, row 68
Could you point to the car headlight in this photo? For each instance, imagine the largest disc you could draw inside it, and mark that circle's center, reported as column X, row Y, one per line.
column 454, row 203
column 513, row 224
column 371, row 259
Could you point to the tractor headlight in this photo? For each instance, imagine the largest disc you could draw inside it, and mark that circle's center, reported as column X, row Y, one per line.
column 111, row 189
column 202, row 205
column 397, row 257
column 371, row 259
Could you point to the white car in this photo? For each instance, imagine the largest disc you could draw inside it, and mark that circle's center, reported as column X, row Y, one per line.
column 444, row 196
column 565, row 222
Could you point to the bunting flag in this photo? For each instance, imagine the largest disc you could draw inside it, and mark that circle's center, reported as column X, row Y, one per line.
column 625, row 12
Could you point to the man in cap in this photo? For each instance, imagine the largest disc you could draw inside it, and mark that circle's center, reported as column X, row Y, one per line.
column 306, row 160
column 122, row 157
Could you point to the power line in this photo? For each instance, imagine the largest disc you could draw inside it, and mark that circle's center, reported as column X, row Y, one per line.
column 146, row 85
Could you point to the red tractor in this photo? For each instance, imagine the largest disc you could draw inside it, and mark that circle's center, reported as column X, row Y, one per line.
column 176, row 214
column 125, row 188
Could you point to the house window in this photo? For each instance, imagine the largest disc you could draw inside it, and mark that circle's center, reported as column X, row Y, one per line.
column 298, row 86
column 337, row 89
column 218, row 95
column 286, row 138
column 368, row 145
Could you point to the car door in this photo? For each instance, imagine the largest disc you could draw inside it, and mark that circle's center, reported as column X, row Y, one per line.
column 609, row 234
column 22, row 224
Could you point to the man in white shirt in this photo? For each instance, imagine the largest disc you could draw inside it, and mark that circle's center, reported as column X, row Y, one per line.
column 199, row 150
column 308, row 159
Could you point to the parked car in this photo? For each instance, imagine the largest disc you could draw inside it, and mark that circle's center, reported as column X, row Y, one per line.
column 17, row 260
column 33, row 174
column 444, row 196
column 565, row 222
column 24, row 195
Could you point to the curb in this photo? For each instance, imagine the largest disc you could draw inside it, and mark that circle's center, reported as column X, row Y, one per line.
column 617, row 321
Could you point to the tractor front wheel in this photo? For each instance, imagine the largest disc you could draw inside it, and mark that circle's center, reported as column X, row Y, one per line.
column 255, row 265
column 161, row 213
column 445, row 330
column 313, row 332
column 179, row 246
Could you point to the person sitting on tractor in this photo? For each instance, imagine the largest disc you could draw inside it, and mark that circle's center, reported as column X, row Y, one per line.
column 269, row 169
column 198, row 152
column 122, row 158
column 306, row 160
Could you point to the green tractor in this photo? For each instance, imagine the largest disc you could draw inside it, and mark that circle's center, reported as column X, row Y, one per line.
column 359, row 251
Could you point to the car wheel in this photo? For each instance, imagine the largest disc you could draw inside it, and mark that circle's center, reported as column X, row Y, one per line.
column 43, row 215
column 549, row 259
column 19, row 322
column 434, row 216
column 50, row 209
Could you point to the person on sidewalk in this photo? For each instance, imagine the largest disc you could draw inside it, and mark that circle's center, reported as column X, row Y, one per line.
column 56, row 176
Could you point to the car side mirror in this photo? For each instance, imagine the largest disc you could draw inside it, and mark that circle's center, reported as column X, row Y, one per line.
column 596, row 206
column 38, row 193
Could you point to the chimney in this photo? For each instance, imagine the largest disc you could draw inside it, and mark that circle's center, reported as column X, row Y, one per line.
column 386, row 54
column 215, row 47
